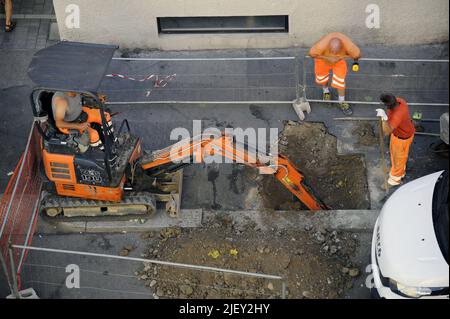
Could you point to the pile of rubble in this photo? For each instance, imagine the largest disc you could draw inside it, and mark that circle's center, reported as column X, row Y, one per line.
column 316, row 263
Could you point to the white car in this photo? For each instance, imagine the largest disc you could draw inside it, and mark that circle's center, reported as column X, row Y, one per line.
column 410, row 241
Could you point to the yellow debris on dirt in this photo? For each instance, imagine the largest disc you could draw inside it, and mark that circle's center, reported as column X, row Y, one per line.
column 214, row 253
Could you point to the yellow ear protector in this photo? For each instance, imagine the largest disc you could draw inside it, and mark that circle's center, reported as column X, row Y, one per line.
column 355, row 66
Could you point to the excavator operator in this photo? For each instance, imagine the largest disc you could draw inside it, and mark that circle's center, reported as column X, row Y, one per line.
column 70, row 114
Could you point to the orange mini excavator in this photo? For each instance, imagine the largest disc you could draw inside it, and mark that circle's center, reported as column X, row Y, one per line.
column 120, row 178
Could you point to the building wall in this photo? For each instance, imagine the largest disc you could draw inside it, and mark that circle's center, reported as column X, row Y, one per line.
column 133, row 23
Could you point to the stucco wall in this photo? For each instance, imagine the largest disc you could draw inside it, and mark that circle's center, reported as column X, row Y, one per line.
column 132, row 23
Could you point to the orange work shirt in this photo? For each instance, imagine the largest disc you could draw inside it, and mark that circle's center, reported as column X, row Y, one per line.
column 400, row 121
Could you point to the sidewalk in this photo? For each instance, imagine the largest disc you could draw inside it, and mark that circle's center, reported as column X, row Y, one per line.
column 34, row 18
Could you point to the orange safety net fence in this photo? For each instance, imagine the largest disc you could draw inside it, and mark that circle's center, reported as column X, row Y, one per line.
column 20, row 203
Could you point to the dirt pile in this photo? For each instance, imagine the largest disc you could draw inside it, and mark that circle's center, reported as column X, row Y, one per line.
column 315, row 262
column 338, row 180
column 365, row 134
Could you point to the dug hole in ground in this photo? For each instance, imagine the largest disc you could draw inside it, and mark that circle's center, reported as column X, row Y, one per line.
column 316, row 262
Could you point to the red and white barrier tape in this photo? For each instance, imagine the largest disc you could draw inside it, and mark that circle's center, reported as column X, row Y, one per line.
column 159, row 82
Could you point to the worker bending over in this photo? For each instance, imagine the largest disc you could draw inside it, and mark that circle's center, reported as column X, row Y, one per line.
column 329, row 54
column 397, row 123
column 70, row 114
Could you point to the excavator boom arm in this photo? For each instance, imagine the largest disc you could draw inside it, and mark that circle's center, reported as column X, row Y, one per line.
column 196, row 150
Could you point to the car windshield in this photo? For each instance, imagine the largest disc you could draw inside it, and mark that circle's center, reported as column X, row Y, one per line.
column 440, row 213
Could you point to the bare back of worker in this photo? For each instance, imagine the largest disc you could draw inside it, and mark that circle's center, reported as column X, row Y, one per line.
column 67, row 108
column 334, row 47
column 70, row 114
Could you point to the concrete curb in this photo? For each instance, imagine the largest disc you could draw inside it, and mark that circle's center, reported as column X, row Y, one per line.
column 188, row 218
column 347, row 220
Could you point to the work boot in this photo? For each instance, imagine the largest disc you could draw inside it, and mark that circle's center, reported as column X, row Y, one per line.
column 327, row 96
column 389, row 184
column 394, row 180
column 346, row 109
column 10, row 27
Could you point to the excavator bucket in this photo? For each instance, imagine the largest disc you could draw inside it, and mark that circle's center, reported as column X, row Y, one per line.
column 171, row 187
column 290, row 177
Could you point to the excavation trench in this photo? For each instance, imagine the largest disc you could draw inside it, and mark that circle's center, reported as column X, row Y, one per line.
column 338, row 180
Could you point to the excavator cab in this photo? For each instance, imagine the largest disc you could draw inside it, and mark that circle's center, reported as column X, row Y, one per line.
column 59, row 142
column 71, row 163
column 74, row 167
column 86, row 180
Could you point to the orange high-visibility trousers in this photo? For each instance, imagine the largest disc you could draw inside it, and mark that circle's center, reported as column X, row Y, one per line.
column 93, row 116
column 399, row 150
column 322, row 72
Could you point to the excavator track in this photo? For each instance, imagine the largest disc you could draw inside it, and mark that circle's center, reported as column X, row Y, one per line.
column 133, row 203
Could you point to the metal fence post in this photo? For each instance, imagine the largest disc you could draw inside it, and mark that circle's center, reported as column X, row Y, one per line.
column 300, row 96
column 297, row 79
column 13, row 272
column 304, row 78
column 283, row 289
column 5, row 271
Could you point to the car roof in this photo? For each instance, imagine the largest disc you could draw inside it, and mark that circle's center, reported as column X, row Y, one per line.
column 71, row 66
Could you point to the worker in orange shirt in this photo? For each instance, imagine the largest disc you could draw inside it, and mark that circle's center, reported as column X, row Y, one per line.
column 329, row 54
column 398, row 124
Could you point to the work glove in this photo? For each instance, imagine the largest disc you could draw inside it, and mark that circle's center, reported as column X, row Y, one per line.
column 381, row 113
